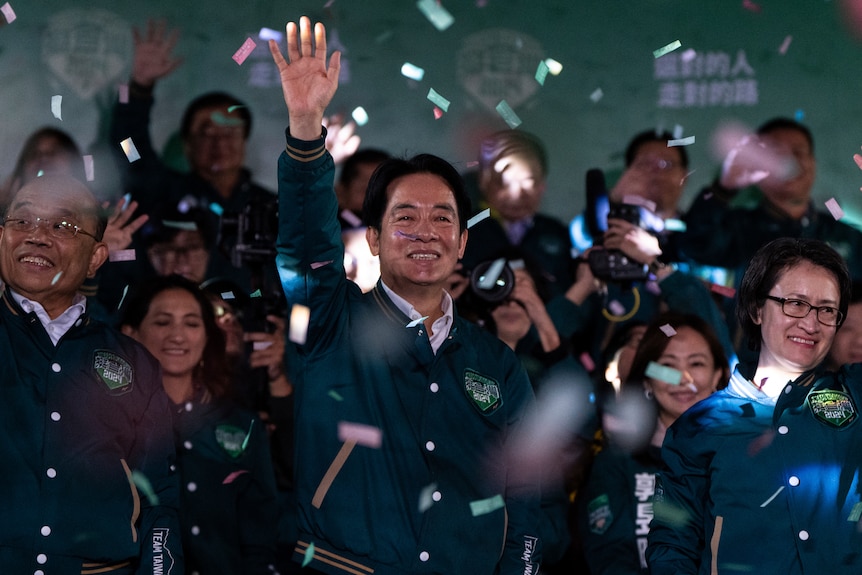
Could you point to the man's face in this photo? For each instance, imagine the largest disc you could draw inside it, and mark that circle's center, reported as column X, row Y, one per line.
column 48, row 157
column 40, row 266
column 796, row 184
column 352, row 195
column 419, row 241
column 515, row 189
column 185, row 255
column 662, row 174
column 216, row 142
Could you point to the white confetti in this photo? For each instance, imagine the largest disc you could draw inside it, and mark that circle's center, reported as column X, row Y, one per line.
column 360, row 116
column 680, row 142
column 834, row 208
column 130, row 150
column 56, row 103
column 436, row 14
column 89, row 172
column 412, row 72
column 668, row 330
column 478, row 217
column 122, row 255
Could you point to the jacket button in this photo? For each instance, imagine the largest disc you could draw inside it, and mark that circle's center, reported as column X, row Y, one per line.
column 55, row 416
column 424, row 556
column 793, row 481
column 56, row 367
column 41, row 558
column 803, row 535
column 783, row 429
column 51, row 472
column 429, row 445
column 45, row 531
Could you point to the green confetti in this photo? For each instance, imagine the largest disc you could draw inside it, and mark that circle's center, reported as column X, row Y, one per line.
column 663, row 373
column 485, row 506
column 436, row 14
column 665, row 49
column 220, row 119
column 309, row 554
column 508, row 114
column 439, row 100
column 680, row 142
column 122, row 299
column 234, row 107
column 187, row 226
column 143, row 484
column 855, row 513
column 247, row 436
column 335, row 395
column 542, row 73
column 256, row 293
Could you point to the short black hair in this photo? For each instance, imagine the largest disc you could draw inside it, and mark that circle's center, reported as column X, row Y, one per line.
column 781, row 123
column 213, row 99
column 506, row 143
column 350, row 166
column 767, row 265
column 377, row 196
column 652, row 136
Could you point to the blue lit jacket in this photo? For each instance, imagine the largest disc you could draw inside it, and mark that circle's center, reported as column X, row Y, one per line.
column 763, row 486
column 435, row 497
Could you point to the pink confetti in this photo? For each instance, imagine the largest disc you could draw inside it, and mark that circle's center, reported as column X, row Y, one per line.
column 8, row 13
column 123, row 93
column 360, row 433
column 616, row 308
column 785, row 45
column 722, row 290
column 668, row 330
column 88, row 168
column 315, row 265
column 122, row 255
column 834, row 208
column 587, row 361
column 233, row 475
column 751, row 6
column 858, row 159
column 351, row 218
column 247, row 47
column 438, row 113
column 653, row 287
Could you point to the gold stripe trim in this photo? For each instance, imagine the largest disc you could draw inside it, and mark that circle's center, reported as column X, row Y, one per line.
column 333, row 470
column 136, row 498
column 713, row 544
column 92, row 568
column 302, row 546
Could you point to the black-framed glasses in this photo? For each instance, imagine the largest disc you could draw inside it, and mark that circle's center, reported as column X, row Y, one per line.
column 827, row 315
column 60, row 229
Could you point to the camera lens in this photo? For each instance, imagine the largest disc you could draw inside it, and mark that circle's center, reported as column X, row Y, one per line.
column 490, row 288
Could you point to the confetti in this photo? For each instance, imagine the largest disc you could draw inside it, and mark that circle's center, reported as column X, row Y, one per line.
column 255, row 293
column 485, row 506
column 616, row 307
column 436, row 14
column 185, row 226
column 220, row 119
column 491, row 276
column 359, row 115
column 674, row 225
column 216, row 208
column 677, row 131
column 123, row 297
column 89, row 173
column 309, row 554
column 668, row 330
column 350, row 218
column 587, row 361
column 858, row 159
column 663, row 373
column 56, row 278
column 554, row 67
column 335, row 395
column 751, row 6
column 233, row 475
column 123, row 93
column 56, row 103
column 688, row 55
column 143, row 484
column 785, row 45
column 680, row 142
column 247, row 47
column 426, row 497
column 361, row 434
column 478, row 217
column 799, row 115
column 416, row 321
column 316, row 265
column 722, row 290
column 834, row 208
column 517, row 264
column 259, row 345
column 438, row 113
column 130, row 150
column 542, row 73
column 122, row 255
column 299, row 316
column 412, row 72
column 665, row 49
column 597, row 95
column 8, row 13
column 247, row 435
column 227, row 295
column 508, row 114
column 270, row 34
column 438, row 100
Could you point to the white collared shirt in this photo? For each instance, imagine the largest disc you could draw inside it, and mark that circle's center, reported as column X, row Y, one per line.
column 440, row 327
column 56, row 328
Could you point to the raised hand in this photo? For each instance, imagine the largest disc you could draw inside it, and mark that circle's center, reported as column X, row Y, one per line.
column 341, row 139
column 308, row 85
column 154, row 57
column 121, row 226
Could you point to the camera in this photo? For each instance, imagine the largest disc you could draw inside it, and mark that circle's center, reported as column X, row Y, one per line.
column 492, row 281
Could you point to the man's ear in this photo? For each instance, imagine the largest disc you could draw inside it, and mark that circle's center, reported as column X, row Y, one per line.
column 463, row 244
column 372, row 235
column 97, row 258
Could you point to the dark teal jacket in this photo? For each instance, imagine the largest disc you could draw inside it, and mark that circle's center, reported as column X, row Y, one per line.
column 435, row 496
column 751, row 485
column 86, row 484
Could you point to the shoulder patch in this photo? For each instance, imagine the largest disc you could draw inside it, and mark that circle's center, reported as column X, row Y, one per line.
column 484, row 391
column 232, row 439
column 114, row 371
column 832, row 407
column 600, row 514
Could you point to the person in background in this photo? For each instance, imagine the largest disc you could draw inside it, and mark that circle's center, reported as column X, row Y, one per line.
column 352, row 182
column 776, row 455
column 615, row 505
column 228, row 496
column 847, row 347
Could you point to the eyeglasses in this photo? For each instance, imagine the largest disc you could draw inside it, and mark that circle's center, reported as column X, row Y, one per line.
column 826, row 315
column 653, row 163
column 59, row 229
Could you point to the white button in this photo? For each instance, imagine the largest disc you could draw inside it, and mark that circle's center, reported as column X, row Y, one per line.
column 45, row 530
column 41, row 558
column 55, row 367
column 51, row 472
column 436, row 496
column 435, row 388
column 187, row 444
column 173, row 467
column 53, row 328
column 196, row 530
column 429, row 445
column 78, row 322
column 192, row 486
column 188, row 406
column 38, row 572
column 803, row 535
column 424, row 556
column 783, row 430
column 788, row 389
column 793, row 481
column 55, row 416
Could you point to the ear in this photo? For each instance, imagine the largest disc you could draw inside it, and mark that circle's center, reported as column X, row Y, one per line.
column 462, row 244
column 756, row 317
column 97, row 258
column 372, row 236
column 716, row 379
column 129, row 331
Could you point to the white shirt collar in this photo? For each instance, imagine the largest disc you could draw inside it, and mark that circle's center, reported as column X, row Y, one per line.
column 440, row 327
column 56, row 328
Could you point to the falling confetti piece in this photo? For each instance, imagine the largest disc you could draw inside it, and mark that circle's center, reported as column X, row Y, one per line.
column 616, row 307
column 89, row 173
column 185, row 226
column 299, row 316
column 317, row 265
column 665, row 49
column 309, row 554
column 259, row 345
column 270, row 34
column 858, row 159
column 123, row 93
column 668, row 330
column 8, row 13
column 416, row 321
column 233, row 475
column 438, row 100
column 56, row 278
column 438, row 113
column 247, row 47
column 680, row 142
column 722, row 290
column 688, row 55
column 123, row 297
column 335, row 395
column 227, row 295
column 255, row 293
column 350, row 218
column 436, row 14
column 542, row 73
column 508, row 114
column 220, row 119
column 412, row 72
column 799, row 115
column 215, row 208
column 834, row 208
column 554, row 67
column 361, row 434
column 426, row 497
column 359, row 115
column 597, row 95
column 674, row 225
column 247, row 435
column 478, row 217
column 143, row 484
column 56, row 103
column 587, row 362
column 491, row 276
column 122, row 255
column 785, row 45
column 485, row 506
column 130, row 150
column 751, row 6
column 663, row 373
column 677, row 131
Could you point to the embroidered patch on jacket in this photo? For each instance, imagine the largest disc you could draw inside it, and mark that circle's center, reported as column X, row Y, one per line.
column 484, row 391
column 832, row 407
column 600, row 515
column 231, row 439
column 113, row 370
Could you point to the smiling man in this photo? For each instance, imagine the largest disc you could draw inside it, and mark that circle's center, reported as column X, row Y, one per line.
column 82, row 409
column 403, row 408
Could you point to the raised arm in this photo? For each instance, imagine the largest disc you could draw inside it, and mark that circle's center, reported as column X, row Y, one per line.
column 308, row 85
column 154, row 58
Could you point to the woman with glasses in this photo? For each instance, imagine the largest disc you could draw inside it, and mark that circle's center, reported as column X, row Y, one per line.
column 763, row 476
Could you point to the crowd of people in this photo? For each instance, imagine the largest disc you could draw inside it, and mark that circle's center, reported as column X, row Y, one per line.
column 207, row 377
